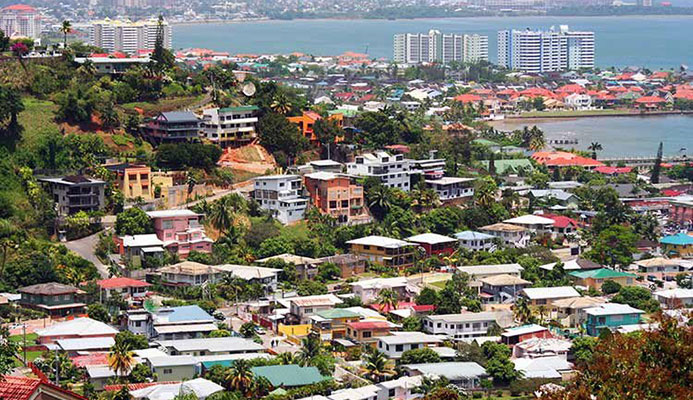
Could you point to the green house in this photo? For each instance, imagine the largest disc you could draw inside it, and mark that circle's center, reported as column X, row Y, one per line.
column 289, row 376
column 610, row 316
column 56, row 299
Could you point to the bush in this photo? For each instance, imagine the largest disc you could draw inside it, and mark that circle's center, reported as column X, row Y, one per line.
column 477, row 395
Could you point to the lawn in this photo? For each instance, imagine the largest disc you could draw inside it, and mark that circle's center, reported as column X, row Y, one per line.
column 30, row 339
column 37, row 120
column 439, row 285
column 30, row 356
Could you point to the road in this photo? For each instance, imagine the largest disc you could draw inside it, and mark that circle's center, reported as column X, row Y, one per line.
column 85, row 248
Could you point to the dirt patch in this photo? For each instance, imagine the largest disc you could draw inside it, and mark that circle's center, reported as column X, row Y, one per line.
column 252, row 158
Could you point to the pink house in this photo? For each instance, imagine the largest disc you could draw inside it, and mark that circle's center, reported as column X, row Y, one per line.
column 181, row 231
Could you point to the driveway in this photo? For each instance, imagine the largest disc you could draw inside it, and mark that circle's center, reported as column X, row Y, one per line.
column 85, row 248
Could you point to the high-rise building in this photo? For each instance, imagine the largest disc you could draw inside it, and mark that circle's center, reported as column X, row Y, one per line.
column 545, row 51
column 414, row 48
column 20, row 20
column 127, row 36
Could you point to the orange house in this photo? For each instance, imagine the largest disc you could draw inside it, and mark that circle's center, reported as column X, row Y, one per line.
column 338, row 196
column 306, row 121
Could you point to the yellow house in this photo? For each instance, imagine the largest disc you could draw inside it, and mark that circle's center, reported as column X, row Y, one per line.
column 595, row 278
column 384, row 251
column 679, row 245
column 332, row 324
column 133, row 180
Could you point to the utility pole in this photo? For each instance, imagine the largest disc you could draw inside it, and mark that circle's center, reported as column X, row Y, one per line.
column 24, row 347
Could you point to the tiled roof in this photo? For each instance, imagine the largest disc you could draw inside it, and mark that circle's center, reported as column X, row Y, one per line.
column 121, row 282
column 51, row 288
column 22, row 388
column 369, row 325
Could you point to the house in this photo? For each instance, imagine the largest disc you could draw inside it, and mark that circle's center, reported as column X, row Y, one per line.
column 681, row 212
column 532, row 223
column 562, row 225
column 267, row 277
column 201, row 388
column 675, row 298
column 282, row 196
column 384, row 251
column 515, row 335
column 393, row 171
column 610, row 316
column 332, row 324
column 209, row 346
column 398, row 342
column 574, row 264
column 230, row 127
column 172, row 127
column 368, row 332
column 511, row 235
column 337, row 195
column 349, row 264
column 547, row 295
column 434, row 244
column 179, row 323
column 104, row 65
column 320, row 166
column 452, row 190
column 465, row 375
column 542, row 347
column 25, row 388
column 501, row 288
column 138, row 247
column 306, row 267
column 75, row 193
column 555, row 196
column 560, row 159
column 83, row 346
column 55, row 299
column 188, row 273
column 289, row 376
column 477, row 272
column 302, row 308
column 510, row 166
column 554, row 367
column 403, row 388
column 595, row 278
column 78, row 328
column 659, row 264
column 571, row 311
column 133, row 180
column 678, row 245
column 578, row 101
column 369, row 289
column 181, row 231
column 127, row 288
column 173, row 368
column 466, row 324
column 305, row 123
column 100, row 375
column 476, row 241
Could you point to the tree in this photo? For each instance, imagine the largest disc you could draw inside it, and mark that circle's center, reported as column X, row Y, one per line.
column 281, row 137
column 427, row 296
column 121, row 359
column 228, row 215
column 311, row 347
column 499, row 365
column 161, row 56
column 522, row 311
column 11, row 236
column 485, row 190
column 239, row 376
column 638, row 297
column 65, row 28
column 376, row 366
column 281, row 103
column 388, row 299
column 583, row 349
column 11, row 106
column 328, row 271
column 132, row 340
column 594, row 147
column 610, row 287
column 20, row 49
column 4, row 41
column 98, row 312
column 657, row 168
column 8, row 352
column 614, row 246
column 327, row 131
column 248, row 330
column 133, row 221
column 419, row 356
column 412, row 324
column 140, row 373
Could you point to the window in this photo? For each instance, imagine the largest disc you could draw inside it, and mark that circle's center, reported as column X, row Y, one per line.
column 414, row 346
column 168, row 371
column 308, row 310
column 399, row 347
column 367, row 334
column 391, row 393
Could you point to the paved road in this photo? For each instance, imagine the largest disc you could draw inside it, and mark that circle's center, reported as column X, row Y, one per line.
column 85, row 248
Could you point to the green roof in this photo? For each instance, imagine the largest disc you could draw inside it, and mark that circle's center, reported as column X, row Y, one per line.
column 337, row 313
column 239, row 108
column 680, row 239
column 346, row 112
column 289, row 375
column 510, row 166
column 601, row 273
column 485, row 142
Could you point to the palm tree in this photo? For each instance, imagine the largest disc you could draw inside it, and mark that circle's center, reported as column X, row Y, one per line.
column 286, row 358
column 595, row 147
column 521, row 310
column 65, row 28
column 542, row 311
column 281, row 103
column 379, row 199
column 388, row 299
column 537, row 142
column 311, row 347
column 376, row 366
column 226, row 212
column 121, row 359
column 239, row 376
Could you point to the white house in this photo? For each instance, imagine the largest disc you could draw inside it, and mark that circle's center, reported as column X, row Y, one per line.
column 511, row 235
column 302, row 308
column 450, row 188
column 394, row 345
column 466, row 375
column 476, row 241
column 477, row 272
column 578, row 101
column 368, row 290
column 393, row 170
column 547, row 295
column 209, row 346
column 281, row 195
column 532, row 223
column 466, row 325
column 673, row 298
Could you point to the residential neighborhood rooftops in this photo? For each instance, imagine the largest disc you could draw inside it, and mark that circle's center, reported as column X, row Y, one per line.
column 121, row 282
column 85, row 344
column 550, row 292
column 601, row 273
column 677, row 293
column 78, row 327
column 659, row 262
column 497, row 269
column 471, row 316
column 49, row 289
column 679, row 239
column 578, row 302
column 212, row 345
column 504, row 280
column 362, row 325
column 503, row 227
column 172, row 213
column 410, row 337
column 146, row 240
column 289, row 375
column 337, row 313
column 317, row 300
column 201, row 388
column 454, row 371
column 430, row 238
column 379, row 241
column 25, row 388
column 172, row 361
column 472, row 235
column 190, row 313
column 188, row 268
column 523, row 330
column 529, row 219
column 290, row 258
column 612, row 309
column 377, row 283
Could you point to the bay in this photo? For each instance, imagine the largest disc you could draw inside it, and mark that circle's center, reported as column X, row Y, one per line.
column 655, row 42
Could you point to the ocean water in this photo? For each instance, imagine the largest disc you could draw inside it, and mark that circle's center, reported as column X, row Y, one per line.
column 620, row 136
column 652, row 41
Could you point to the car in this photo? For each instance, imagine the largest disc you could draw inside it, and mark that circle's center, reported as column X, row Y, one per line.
column 260, row 330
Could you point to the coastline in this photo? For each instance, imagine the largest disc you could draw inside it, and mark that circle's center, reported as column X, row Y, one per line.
column 518, row 119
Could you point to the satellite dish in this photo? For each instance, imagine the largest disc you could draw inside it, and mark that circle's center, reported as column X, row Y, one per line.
column 249, row 89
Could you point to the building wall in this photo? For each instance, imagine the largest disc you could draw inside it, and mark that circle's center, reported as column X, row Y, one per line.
column 401, row 258
column 174, row 373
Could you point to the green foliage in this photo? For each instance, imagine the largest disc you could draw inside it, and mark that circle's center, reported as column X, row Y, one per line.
column 610, row 287
column 188, row 155
column 132, row 340
column 412, row 324
column 614, row 246
column 427, row 296
column 638, row 297
column 98, row 312
column 8, row 351
column 133, row 221
column 280, row 137
column 328, row 272
column 583, row 349
column 419, row 356
column 310, row 288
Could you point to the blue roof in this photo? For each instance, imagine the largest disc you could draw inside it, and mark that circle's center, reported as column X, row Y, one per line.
column 179, row 116
column 680, row 239
column 188, row 313
column 472, row 235
column 289, row 375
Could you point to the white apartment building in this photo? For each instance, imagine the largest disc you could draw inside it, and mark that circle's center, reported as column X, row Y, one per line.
column 398, row 342
column 466, row 325
column 20, row 20
column 230, row 126
column 394, row 171
column 450, row 188
column 415, row 48
column 545, row 51
column 282, row 195
column 127, row 36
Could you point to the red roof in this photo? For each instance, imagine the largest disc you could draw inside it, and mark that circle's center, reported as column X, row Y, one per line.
column 659, row 75
column 468, row 98
column 684, row 94
column 22, row 388
column 650, row 100
column 424, row 308
column 369, row 325
column 573, row 88
column 671, row 192
column 400, row 148
column 19, row 7
column 537, row 92
column 90, row 359
column 613, row 170
column 561, row 221
column 121, row 282
column 616, row 89
column 563, row 159
column 136, row 386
